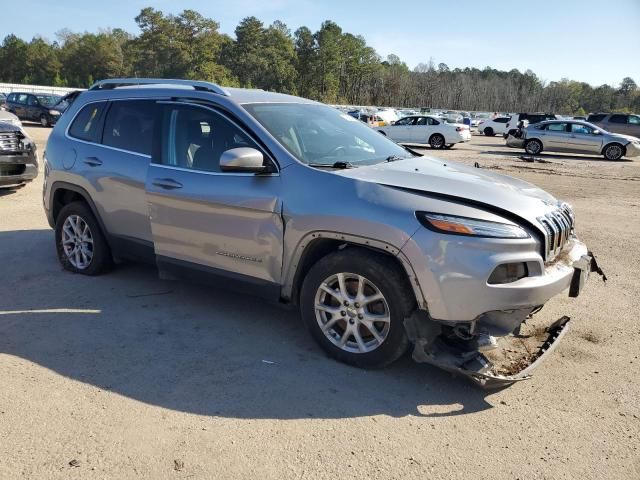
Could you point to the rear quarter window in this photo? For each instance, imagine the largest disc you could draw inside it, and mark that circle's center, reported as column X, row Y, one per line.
column 86, row 125
column 596, row 117
column 618, row 119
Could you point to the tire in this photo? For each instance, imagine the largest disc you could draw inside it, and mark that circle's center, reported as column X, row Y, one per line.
column 44, row 121
column 533, row 147
column 489, row 132
column 382, row 275
column 613, row 151
column 436, row 141
column 94, row 246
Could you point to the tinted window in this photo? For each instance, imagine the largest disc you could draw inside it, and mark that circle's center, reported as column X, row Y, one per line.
column 501, row 120
column 86, row 125
column 405, row 121
column 129, row 125
column 32, row 102
column 432, row 121
column 557, row 127
column 22, row 98
column 421, row 121
column 579, row 128
column 11, row 97
column 196, row 138
column 598, row 117
column 618, row 119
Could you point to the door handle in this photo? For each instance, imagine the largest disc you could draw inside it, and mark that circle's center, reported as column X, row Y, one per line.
column 166, row 183
column 93, row 161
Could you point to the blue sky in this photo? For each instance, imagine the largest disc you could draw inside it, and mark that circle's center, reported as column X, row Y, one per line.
column 589, row 40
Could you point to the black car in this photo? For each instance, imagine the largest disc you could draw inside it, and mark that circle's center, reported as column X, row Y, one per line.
column 36, row 107
column 18, row 156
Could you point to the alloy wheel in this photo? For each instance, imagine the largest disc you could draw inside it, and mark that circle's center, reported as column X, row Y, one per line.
column 77, row 241
column 352, row 312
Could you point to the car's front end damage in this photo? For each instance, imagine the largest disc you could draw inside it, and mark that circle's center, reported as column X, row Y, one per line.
column 490, row 253
column 18, row 156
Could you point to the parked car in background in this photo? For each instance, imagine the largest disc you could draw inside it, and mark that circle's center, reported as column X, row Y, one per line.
column 388, row 115
column 493, row 126
column 573, row 136
column 10, row 118
column 3, row 101
column 45, row 109
column 18, row 155
column 624, row 123
column 427, row 129
column 526, row 119
column 379, row 248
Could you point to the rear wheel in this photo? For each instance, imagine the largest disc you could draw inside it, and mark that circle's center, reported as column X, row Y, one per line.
column 436, row 141
column 489, row 132
column 80, row 243
column 354, row 303
column 533, row 147
column 615, row 151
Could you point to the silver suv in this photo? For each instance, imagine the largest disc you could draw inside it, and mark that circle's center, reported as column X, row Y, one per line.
column 379, row 248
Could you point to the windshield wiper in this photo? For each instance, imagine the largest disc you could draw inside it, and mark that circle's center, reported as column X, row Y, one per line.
column 394, row 158
column 339, row 165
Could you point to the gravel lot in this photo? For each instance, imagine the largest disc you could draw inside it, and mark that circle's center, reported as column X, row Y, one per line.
column 126, row 376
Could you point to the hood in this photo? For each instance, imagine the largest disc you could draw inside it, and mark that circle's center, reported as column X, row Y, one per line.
column 450, row 179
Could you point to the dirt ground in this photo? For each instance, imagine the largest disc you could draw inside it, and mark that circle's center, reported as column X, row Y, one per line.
column 126, row 376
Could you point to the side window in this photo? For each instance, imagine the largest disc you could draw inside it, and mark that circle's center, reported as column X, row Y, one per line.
column 597, row 117
column 32, row 101
column 22, row 98
column 11, row 97
column 195, row 138
column 557, row 127
column 129, row 125
column 404, row 121
column 634, row 120
column 618, row 119
column 432, row 121
column 86, row 125
column 501, row 120
column 579, row 128
column 421, row 121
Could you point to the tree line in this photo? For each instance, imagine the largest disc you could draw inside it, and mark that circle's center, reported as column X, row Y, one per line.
column 329, row 65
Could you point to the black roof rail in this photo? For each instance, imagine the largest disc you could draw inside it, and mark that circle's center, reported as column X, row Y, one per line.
column 130, row 82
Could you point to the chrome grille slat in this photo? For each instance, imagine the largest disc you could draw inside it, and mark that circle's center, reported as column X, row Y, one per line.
column 9, row 142
column 558, row 226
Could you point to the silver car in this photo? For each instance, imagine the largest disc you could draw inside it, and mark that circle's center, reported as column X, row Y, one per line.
column 288, row 198
column 573, row 136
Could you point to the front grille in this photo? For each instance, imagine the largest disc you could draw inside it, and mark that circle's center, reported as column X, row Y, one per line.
column 558, row 226
column 9, row 142
column 7, row 170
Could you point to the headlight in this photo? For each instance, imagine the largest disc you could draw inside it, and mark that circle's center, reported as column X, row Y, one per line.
column 469, row 226
column 55, row 113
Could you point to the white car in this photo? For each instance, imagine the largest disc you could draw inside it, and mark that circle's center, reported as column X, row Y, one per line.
column 426, row 129
column 8, row 117
column 493, row 126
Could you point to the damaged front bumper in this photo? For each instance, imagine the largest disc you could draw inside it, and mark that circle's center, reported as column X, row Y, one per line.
column 432, row 346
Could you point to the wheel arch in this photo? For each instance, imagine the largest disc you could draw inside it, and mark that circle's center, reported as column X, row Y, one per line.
column 63, row 193
column 624, row 147
column 316, row 245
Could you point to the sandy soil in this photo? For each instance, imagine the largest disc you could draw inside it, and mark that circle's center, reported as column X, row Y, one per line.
column 125, row 376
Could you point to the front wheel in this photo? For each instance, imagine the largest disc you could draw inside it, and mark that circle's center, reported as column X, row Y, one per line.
column 615, row 151
column 436, row 141
column 354, row 303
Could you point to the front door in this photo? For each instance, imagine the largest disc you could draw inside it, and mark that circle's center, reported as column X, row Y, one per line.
column 218, row 222
column 583, row 139
column 556, row 137
column 401, row 130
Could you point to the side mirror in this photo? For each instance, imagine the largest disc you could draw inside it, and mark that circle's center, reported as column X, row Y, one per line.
column 243, row 159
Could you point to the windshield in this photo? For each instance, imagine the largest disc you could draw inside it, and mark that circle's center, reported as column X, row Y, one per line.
column 321, row 135
column 48, row 100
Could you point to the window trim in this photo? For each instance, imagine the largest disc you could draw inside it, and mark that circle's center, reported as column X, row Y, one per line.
column 222, row 114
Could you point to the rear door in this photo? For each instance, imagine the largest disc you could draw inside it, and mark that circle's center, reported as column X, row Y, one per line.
column 419, row 132
column 556, row 137
column 219, row 222
column 33, row 108
column 617, row 123
column 583, row 139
